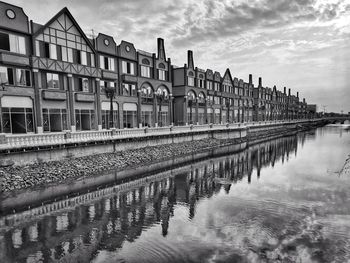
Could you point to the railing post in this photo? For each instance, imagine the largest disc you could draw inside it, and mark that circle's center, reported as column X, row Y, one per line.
column 3, row 138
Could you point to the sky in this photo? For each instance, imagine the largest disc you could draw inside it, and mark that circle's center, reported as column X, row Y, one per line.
column 300, row 44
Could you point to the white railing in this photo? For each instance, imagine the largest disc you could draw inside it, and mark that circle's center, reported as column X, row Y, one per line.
column 11, row 141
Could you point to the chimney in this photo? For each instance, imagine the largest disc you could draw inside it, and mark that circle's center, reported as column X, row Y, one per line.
column 285, row 90
column 260, row 82
column 304, row 100
column 250, row 79
column 288, row 92
column 297, row 94
column 161, row 50
column 190, row 59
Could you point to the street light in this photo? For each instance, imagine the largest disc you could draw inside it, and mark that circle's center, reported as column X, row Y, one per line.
column 110, row 93
column 160, row 96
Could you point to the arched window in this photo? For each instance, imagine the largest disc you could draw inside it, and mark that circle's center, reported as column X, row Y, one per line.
column 201, row 76
column 146, row 61
column 201, row 97
column 191, row 95
column 163, row 91
column 190, row 74
column 161, row 65
column 146, row 91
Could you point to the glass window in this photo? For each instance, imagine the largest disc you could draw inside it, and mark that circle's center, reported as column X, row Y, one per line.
column 70, row 55
column 128, row 68
column 4, row 41
column 64, row 54
column 161, row 74
column 12, row 43
column 111, row 64
column 83, row 58
column 53, row 51
column 17, row 44
column 92, row 60
column 17, row 120
column 84, row 85
column 52, row 81
column 54, row 120
column 23, row 77
column 190, row 81
column 6, row 76
column 102, row 62
column 145, row 72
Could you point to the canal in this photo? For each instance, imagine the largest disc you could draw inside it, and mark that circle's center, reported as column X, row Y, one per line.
column 284, row 200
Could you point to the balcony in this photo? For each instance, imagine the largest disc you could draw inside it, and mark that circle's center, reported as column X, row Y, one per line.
column 129, row 78
column 14, row 59
column 84, row 97
column 54, row 95
column 106, row 74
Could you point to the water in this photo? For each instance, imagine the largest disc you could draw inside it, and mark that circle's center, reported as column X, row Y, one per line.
column 286, row 200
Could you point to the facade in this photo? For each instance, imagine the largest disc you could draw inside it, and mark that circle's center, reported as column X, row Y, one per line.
column 55, row 78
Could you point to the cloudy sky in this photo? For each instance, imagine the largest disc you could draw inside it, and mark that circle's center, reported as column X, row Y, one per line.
column 301, row 44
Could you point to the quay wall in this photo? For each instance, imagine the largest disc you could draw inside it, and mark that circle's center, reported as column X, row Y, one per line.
column 61, row 151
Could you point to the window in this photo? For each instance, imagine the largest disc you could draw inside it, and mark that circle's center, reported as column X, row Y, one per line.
column 55, row 120
column 12, row 43
column 52, row 51
column 83, row 58
column 107, row 63
column 104, row 84
column 70, row 55
column 92, row 60
column 23, row 77
column 145, row 71
column 84, row 119
column 129, row 89
column 216, row 86
column 6, row 76
column 128, row 68
column 83, row 84
column 52, row 81
column 190, row 81
column 17, row 120
column 161, row 74
column 209, row 85
column 200, row 83
column 64, row 54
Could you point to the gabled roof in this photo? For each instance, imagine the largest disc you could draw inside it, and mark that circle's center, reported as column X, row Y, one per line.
column 227, row 72
column 66, row 11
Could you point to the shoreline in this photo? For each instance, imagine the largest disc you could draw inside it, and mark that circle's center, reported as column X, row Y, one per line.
column 15, row 179
column 18, row 179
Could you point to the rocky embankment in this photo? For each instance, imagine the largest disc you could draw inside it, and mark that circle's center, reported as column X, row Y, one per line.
column 14, row 178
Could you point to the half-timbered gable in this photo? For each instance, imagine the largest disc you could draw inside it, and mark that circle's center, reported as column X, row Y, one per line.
column 61, row 45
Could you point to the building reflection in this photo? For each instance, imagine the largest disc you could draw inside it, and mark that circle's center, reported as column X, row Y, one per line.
column 74, row 229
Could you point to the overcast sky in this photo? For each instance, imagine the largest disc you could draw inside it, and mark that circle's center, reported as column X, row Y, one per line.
column 301, row 44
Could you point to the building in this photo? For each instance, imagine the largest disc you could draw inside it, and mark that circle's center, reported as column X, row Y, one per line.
column 55, row 78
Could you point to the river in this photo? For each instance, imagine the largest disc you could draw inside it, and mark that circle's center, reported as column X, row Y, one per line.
column 285, row 200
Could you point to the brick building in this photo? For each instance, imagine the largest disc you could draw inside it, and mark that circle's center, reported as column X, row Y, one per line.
column 55, row 78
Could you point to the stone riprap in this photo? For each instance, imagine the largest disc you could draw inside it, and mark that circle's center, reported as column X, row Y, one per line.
column 14, row 178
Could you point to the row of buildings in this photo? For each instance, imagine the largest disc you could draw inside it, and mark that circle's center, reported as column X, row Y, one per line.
column 55, row 78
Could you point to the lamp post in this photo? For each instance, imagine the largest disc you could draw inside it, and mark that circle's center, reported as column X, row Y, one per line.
column 110, row 93
column 160, row 95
